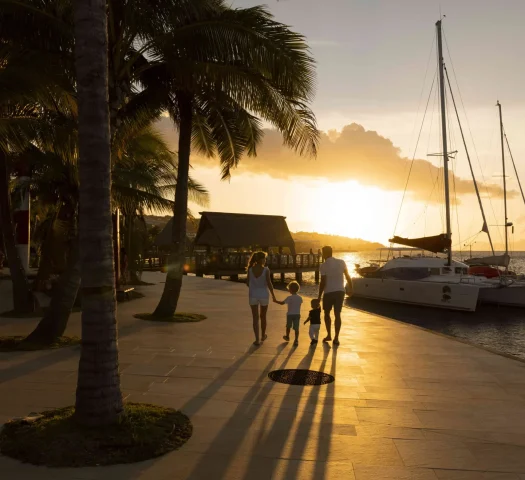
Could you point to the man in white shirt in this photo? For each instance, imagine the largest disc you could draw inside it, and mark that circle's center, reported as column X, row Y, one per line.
column 333, row 273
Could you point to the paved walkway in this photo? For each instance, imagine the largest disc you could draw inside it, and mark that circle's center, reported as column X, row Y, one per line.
column 406, row 404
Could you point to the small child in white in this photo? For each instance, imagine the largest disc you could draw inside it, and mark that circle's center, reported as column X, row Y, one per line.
column 314, row 317
column 293, row 316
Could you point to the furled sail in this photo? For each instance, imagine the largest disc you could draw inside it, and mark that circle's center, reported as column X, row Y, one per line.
column 493, row 261
column 436, row 244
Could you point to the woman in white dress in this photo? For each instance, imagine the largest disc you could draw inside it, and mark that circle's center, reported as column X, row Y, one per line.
column 260, row 286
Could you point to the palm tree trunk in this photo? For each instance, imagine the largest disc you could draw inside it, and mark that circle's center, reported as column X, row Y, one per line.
column 23, row 298
column 170, row 296
column 45, row 269
column 54, row 323
column 52, row 243
column 98, row 399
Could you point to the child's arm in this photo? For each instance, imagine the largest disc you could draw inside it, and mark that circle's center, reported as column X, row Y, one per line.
column 277, row 301
column 306, row 321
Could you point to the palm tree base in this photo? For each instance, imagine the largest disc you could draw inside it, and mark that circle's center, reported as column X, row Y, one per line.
column 54, row 439
column 175, row 318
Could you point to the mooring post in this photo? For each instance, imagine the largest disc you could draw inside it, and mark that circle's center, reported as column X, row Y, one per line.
column 317, row 276
column 299, row 276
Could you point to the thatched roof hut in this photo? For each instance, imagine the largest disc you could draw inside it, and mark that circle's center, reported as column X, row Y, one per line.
column 240, row 230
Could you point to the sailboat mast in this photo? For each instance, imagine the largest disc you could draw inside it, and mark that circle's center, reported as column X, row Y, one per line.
column 504, row 179
column 444, row 135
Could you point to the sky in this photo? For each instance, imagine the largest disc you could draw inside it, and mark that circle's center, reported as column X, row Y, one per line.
column 376, row 63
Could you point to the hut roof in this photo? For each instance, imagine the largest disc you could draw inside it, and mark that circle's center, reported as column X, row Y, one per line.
column 235, row 230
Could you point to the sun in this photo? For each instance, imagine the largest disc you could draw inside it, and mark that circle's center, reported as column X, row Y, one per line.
column 354, row 210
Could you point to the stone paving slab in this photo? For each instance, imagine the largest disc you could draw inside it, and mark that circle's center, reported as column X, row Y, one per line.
column 406, row 403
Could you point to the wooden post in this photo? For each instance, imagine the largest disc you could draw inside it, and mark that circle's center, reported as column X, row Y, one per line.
column 317, row 276
column 299, row 276
column 282, row 277
column 234, row 278
column 217, row 277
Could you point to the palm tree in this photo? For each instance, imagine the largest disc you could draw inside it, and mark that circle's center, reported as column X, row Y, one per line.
column 98, row 398
column 226, row 67
column 142, row 179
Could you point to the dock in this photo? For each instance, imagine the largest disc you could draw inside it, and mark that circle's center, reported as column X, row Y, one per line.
column 231, row 265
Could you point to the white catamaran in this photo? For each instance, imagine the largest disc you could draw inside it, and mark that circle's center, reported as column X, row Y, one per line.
column 425, row 280
column 431, row 280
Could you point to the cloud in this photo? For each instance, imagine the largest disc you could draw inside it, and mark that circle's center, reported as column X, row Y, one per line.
column 355, row 154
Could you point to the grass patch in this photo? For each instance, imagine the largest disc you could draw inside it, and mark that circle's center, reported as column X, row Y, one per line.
column 176, row 318
column 19, row 343
column 55, row 440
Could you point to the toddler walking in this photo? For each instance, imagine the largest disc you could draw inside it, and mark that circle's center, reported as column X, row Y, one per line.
column 293, row 316
column 314, row 317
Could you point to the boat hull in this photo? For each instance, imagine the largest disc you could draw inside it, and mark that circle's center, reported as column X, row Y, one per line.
column 511, row 296
column 449, row 296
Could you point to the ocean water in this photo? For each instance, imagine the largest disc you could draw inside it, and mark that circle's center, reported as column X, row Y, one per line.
column 501, row 329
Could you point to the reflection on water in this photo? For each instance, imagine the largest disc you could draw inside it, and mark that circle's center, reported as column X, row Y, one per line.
column 497, row 328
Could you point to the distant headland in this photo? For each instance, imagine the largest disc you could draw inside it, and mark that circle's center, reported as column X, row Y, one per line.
column 304, row 241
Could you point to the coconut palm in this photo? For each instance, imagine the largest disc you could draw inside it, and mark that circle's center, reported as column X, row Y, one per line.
column 98, row 398
column 143, row 179
column 228, row 68
column 35, row 71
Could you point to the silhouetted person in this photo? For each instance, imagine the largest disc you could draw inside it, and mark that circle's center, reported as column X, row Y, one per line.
column 333, row 272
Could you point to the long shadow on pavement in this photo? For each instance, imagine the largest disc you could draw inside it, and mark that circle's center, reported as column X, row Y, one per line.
column 273, row 441
column 55, row 356
column 240, row 423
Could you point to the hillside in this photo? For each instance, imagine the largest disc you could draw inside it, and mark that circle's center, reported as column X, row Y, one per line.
column 304, row 241
column 154, row 220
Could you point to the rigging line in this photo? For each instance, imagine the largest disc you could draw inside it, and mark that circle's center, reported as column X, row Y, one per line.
column 414, row 156
column 453, row 163
column 423, row 212
column 429, row 164
column 468, row 158
column 470, row 132
column 414, row 127
column 514, row 165
column 423, row 87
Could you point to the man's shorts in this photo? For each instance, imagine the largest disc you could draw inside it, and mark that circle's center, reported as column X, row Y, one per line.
column 333, row 300
column 292, row 321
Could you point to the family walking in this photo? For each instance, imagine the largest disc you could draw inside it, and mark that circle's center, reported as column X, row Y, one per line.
column 331, row 291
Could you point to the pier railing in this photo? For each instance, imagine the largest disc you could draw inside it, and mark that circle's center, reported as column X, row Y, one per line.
column 235, row 263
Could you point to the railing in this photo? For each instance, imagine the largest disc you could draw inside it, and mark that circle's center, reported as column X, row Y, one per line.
column 211, row 263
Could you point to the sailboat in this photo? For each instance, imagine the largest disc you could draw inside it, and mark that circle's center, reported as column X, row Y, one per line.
column 421, row 279
column 504, row 289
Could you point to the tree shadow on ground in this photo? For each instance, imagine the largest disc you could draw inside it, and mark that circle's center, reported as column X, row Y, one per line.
column 48, row 358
